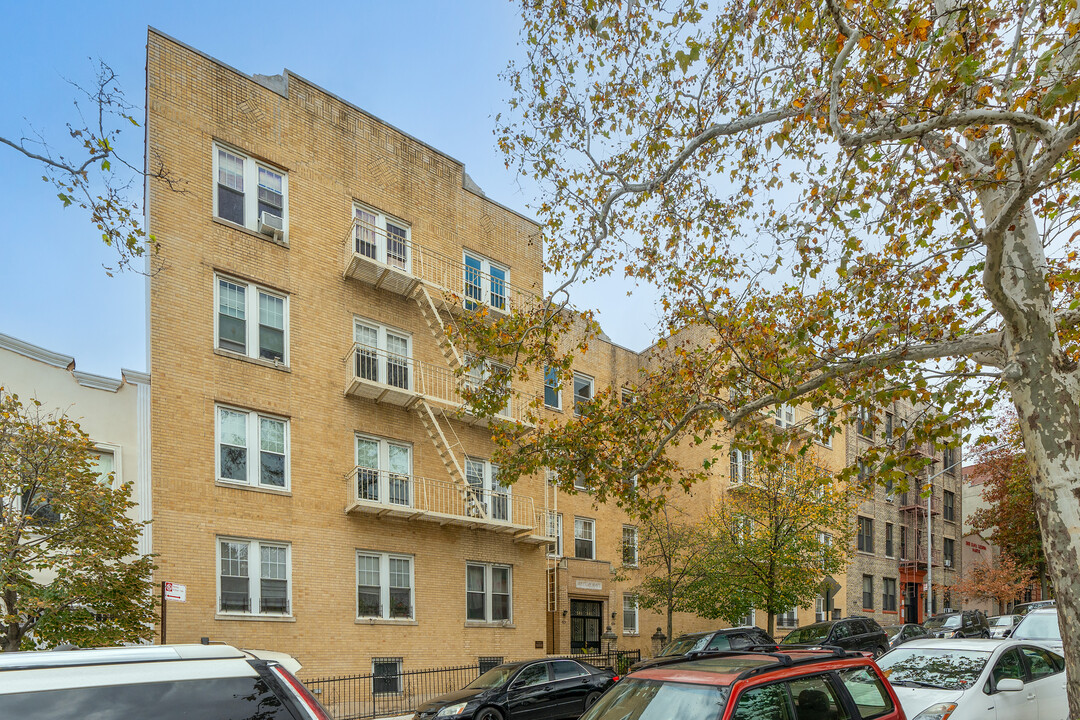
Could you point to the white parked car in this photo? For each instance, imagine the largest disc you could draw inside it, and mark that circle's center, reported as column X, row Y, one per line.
column 976, row 679
column 1002, row 625
column 1040, row 626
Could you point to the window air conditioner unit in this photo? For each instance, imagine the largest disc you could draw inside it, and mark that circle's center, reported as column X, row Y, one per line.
column 271, row 224
column 948, row 562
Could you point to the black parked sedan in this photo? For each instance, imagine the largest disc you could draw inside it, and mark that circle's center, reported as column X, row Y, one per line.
column 529, row 690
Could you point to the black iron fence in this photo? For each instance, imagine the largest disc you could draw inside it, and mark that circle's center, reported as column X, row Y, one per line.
column 390, row 690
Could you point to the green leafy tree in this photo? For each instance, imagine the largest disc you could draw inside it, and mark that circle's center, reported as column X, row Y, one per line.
column 773, row 539
column 841, row 205
column 70, row 571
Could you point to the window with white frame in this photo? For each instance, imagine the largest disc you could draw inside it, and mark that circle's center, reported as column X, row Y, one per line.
column 384, row 586
column 251, row 320
column 784, row 415
column 252, row 448
column 629, row 545
column 382, row 354
column 480, row 371
column 488, row 590
column 104, row 462
column 629, row 614
column 552, row 389
column 383, row 470
column 482, row 477
column 253, row 576
column 825, row 540
column 250, row 193
column 381, row 238
column 584, row 538
column 748, row 620
column 742, row 465
column 486, row 283
column 788, row 619
column 555, row 528
column 820, row 614
column 584, row 392
column 824, row 426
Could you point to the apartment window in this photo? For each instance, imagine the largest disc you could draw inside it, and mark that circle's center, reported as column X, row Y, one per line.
column 386, row 675
column 865, row 537
column 584, row 538
column 484, row 488
column 888, row 426
column 950, row 506
column 384, row 586
column 868, row 592
column 252, row 448
column 820, row 613
column 583, row 393
column 253, row 577
column 788, row 619
column 826, row 544
column 552, row 389
column 888, row 594
column 481, row 371
column 629, row 614
column 862, row 423
column 555, row 528
column 903, row 542
column 627, row 397
column 382, row 354
column 581, row 481
column 629, row 546
column 949, row 459
column 748, row 620
column 381, row 238
column 251, row 320
column 486, row 283
column 824, row 428
column 250, row 193
column 889, row 540
column 949, row 549
column 383, row 470
column 488, row 592
column 742, row 463
column 784, row 415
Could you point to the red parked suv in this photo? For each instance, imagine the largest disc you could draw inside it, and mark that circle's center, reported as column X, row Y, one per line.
column 792, row 684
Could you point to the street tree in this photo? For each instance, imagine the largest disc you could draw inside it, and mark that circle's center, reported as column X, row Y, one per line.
column 70, row 571
column 1002, row 580
column 672, row 557
column 87, row 169
column 773, row 538
column 860, row 204
column 1009, row 519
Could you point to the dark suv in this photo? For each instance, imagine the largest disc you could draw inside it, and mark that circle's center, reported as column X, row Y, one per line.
column 852, row 633
column 738, row 685
column 736, row 638
column 964, row 624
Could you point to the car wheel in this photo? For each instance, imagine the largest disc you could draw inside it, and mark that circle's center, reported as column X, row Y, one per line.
column 488, row 714
column 879, row 651
column 590, row 699
column 985, row 636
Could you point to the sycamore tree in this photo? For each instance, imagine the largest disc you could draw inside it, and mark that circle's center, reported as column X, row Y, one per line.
column 70, row 571
column 773, row 538
column 672, row 557
column 859, row 203
column 1009, row 519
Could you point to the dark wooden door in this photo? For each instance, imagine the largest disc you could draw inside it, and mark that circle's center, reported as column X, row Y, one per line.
column 585, row 619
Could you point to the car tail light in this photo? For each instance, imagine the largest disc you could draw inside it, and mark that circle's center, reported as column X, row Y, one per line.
column 615, row 679
column 307, row 701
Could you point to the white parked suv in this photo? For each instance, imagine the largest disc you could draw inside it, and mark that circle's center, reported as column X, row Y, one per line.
column 158, row 682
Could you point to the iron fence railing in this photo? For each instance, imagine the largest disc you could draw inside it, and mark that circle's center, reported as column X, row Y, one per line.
column 391, row 690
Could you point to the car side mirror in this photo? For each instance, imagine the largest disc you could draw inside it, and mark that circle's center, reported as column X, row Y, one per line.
column 1010, row 685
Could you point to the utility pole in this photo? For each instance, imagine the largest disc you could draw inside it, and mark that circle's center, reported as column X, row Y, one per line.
column 930, row 537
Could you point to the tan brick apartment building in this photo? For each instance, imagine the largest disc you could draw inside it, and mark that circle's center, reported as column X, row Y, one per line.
column 316, row 484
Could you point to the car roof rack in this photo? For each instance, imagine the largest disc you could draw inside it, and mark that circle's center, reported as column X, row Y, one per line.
column 782, row 659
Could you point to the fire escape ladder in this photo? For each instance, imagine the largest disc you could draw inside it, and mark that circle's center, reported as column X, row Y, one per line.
column 438, row 329
column 448, row 453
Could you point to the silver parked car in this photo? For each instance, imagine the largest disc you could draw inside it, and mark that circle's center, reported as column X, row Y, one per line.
column 1002, row 625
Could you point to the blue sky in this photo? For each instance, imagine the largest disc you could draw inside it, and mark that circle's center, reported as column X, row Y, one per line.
column 430, row 68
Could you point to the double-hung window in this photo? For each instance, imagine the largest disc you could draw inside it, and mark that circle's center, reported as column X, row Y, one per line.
column 823, row 426
column 250, row 193
column 788, row 619
column 252, row 448
column 629, row 546
column 555, row 529
column 629, row 614
column 889, row 540
column 486, row 283
column 253, row 576
column 888, row 594
column 784, row 415
column 583, row 393
column 484, row 488
column 865, row 536
column 949, row 551
column 950, row 505
column 488, row 592
column 251, row 320
column 742, row 464
column 868, row 592
column 383, row 471
column 481, row 371
column 552, row 389
column 382, row 355
column 382, row 238
column 584, row 538
column 384, row 586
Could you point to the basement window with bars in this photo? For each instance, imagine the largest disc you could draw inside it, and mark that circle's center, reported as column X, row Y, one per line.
column 253, row 577
column 386, row 676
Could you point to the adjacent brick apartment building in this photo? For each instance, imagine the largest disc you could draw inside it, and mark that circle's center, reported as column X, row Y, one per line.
column 317, row 484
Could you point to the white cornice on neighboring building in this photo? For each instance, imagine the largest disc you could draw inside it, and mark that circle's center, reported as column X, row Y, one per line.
column 37, row 353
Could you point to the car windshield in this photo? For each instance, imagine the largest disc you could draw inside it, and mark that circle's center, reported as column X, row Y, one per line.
column 1001, row 620
column 494, row 677
column 933, row 667
column 1038, row 626
column 809, row 635
column 634, row 699
column 684, row 645
column 949, row 621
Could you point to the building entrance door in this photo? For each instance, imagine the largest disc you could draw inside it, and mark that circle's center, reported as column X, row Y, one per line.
column 585, row 618
column 911, row 603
